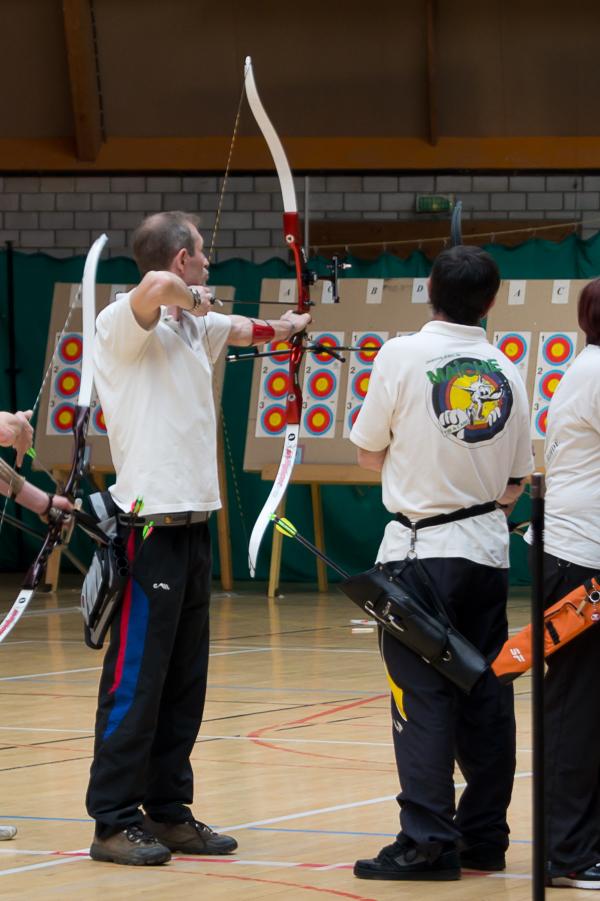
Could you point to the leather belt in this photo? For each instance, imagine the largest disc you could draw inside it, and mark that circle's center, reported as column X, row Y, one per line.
column 186, row 518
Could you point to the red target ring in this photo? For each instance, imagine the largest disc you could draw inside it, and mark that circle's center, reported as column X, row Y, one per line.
column 284, row 348
column 541, row 421
column 67, row 383
column 372, row 345
column 318, row 420
column 327, row 341
column 276, row 384
column 558, row 349
column 63, row 418
column 353, row 415
column 70, row 348
column 99, row 423
column 273, row 419
column 360, row 383
column 322, row 384
column 550, row 382
column 514, row 347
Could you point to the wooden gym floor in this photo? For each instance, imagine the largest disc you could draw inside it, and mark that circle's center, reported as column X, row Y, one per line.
column 294, row 758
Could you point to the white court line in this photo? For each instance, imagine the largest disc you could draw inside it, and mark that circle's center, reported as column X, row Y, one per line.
column 249, row 738
column 249, row 650
column 320, row 810
column 307, row 813
column 47, row 863
column 89, row 731
column 60, row 672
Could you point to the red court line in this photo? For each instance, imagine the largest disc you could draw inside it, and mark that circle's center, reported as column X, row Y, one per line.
column 296, row 885
column 255, row 735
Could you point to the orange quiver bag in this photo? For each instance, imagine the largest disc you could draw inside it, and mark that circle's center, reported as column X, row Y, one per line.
column 563, row 622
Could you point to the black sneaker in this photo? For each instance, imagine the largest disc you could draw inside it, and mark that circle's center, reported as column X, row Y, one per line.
column 190, row 837
column 404, row 860
column 589, row 878
column 131, row 846
column 483, row 856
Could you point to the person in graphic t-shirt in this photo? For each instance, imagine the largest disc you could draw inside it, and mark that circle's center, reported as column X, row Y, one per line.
column 446, row 422
column 572, row 555
column 153, row 354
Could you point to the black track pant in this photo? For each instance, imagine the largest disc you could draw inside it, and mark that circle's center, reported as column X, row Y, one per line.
column 153, row 683
column 572, row 739
column 435, row 724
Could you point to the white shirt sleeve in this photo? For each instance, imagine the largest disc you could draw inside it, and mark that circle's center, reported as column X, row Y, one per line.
column 118, row 333
column 372, row 430
column 216, row 333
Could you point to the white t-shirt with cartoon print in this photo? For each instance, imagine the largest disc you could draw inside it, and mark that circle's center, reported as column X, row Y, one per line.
column 453, row 412
column 155, row 388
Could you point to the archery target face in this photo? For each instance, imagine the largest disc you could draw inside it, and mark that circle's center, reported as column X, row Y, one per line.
column 97, row 421
column 515, row 346
column 70, row 348
column 550, row 382
column 321, row 387
column 273, row 420
column 63, row 417
column 276, row 384
column 66, row 383
column 273, row 391
column 64, row 388
column 556, row 352
column 359, row 373
column 541, row 422
column 558, row 349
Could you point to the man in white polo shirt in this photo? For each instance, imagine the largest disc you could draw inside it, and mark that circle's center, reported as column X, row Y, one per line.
column 446, row 421
column 154, row 352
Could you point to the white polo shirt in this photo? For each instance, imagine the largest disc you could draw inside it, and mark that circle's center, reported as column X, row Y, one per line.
column 452, row 412
column 572, row 456
column 155, row 388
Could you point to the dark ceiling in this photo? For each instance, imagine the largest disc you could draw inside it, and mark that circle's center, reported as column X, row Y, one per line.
column 410, row 84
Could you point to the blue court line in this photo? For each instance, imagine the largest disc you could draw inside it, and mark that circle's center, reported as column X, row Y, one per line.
column 250, row 828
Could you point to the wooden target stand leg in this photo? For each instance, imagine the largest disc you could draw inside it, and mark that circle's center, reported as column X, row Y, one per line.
column 223, row 533
column 277, row 543
column 317, row 510
column 276, row 547
column 53, row 564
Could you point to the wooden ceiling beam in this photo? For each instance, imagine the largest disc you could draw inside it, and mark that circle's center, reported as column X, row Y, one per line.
column 85, row 97
column 432, row 119
column 306, row 154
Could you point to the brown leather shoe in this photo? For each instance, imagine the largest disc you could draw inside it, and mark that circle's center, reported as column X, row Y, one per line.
column 190, row 837
column 132, row 846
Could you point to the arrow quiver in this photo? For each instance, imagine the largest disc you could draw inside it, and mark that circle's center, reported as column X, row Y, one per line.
column 563, row 621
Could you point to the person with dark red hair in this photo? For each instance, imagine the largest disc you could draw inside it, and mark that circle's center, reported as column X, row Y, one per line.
column 572, row 555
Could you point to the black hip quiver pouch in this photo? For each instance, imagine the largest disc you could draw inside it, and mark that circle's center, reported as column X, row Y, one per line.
column 104, row 585
column 417, row 619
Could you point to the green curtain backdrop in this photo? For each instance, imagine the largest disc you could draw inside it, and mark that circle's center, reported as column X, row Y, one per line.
column 354, row 516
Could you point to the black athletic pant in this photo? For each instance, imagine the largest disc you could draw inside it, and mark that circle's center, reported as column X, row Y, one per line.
column 153, row 683
column 572, row 734
column 436, row 724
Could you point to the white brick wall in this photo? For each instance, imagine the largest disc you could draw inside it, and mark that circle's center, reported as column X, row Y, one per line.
column 61, row 215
